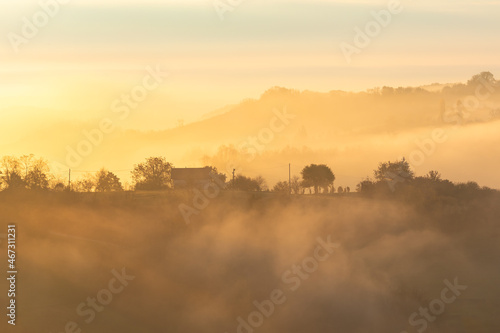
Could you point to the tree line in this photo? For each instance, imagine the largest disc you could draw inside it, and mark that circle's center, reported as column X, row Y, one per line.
column 154, row 174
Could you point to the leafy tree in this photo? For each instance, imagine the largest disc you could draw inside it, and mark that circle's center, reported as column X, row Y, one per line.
column 107, row 181
column 306, row 184
column 154, row 174
column 59, row 187
column 366, row 185
column 481, row 78
column 243, row 183
column 317, row 176
column 216, row 176
column 394, row 172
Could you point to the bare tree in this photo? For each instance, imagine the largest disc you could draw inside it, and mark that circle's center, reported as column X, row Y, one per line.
column 10, row 171
column 37, row 176
column 281, row 187
column 86, row 183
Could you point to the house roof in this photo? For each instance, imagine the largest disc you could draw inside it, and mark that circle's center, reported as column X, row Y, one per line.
column 190, row 173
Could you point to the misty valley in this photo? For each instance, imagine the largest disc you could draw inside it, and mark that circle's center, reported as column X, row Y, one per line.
column 231, row 166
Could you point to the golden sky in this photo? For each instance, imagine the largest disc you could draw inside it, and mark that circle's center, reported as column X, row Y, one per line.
column 88, row 53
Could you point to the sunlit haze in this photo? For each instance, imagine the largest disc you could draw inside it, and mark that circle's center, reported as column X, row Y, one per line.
column 92, row 51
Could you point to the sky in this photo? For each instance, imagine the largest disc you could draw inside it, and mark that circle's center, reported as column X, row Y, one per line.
column 89, row 53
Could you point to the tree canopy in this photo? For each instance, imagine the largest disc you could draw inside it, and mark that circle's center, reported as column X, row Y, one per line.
column 107, row 181
column 24, row 172
column 243, row 183
column 154, row 174
column 317, row 176
column 394, row 172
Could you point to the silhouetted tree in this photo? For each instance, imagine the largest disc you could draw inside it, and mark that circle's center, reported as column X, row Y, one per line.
column 317, row 176
column 26, row 161
column 433, row 175
column 37, row 176
column 332, row 189
column 24, row 172
column 59, row 187
column 216, row 175
column 15, row 181
column 394, row 172
column 295, row 182
column 482, row 78
column 86, row 183
column 107, row 181
column 154, row 174
column 469, row 186
column 282, row 187
column 366, row 185
column 10, row 171
column 306, row 184
column 243, row 183
column 261, row 182
column 289, row 187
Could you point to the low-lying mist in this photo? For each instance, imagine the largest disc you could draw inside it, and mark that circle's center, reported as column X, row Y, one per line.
column 391, row 257
column 350, row 132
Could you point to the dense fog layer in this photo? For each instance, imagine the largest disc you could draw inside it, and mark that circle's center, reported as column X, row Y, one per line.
column 387, row 258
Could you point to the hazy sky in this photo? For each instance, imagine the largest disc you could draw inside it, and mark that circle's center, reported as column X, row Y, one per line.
column 91, row 52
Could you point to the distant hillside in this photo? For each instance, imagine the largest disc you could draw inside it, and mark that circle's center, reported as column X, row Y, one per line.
column 347, row 128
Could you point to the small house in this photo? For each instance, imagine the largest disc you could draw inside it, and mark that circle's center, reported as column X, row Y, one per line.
column 190, row 177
